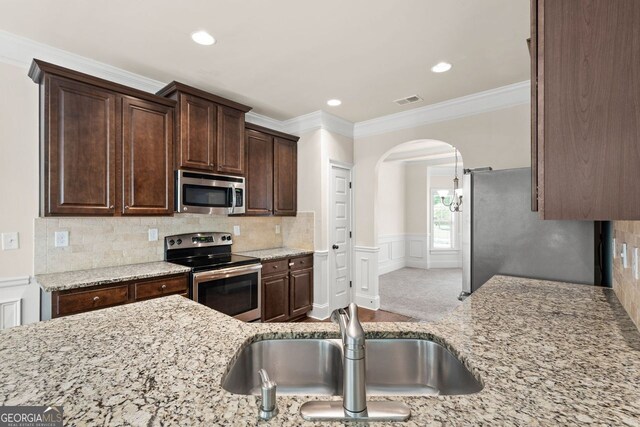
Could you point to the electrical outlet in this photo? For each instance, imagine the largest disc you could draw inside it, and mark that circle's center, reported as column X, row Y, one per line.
column 61, row 239
column 10, row 241
column 236, row 230
column 634, row 263
column 277, row 228
column 153, row 234
column 623, row 255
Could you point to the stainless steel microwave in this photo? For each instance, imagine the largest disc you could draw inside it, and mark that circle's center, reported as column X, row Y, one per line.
column 204, row 193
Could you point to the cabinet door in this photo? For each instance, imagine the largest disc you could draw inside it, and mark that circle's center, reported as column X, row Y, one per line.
column 300, row 292
column 259, row 177
column 197, row 139
column 588, row 109
column 79, row 148
column 147, row 159
column 285, row 170
column 275, row 298
column 230, row 141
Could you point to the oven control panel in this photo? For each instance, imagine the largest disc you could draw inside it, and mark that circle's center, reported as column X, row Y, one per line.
column 197, row 240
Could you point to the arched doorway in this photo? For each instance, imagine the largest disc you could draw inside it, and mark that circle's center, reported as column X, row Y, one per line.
column 419, row 229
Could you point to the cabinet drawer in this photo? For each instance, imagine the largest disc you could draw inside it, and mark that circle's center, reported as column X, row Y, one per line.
column 160, row 287
column 80, row 301
column 301, row 262
column 275, row 267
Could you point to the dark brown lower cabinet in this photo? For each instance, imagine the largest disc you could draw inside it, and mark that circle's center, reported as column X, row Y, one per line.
column 287, row 289
column 80, row 300
column 275, row 291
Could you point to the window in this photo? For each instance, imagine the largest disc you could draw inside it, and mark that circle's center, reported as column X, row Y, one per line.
column 443, row 223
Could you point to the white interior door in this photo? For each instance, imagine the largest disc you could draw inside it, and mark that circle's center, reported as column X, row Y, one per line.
column 340, row 237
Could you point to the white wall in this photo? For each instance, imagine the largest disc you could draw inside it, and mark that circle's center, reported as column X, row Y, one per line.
column 392, row 201
column 18, row 185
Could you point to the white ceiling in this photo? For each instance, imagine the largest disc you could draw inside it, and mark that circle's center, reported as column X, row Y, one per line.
column 287, row 57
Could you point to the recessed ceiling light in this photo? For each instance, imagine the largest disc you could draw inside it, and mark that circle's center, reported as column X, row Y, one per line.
column 334, row 102
column 203, row 38
column 441, row 67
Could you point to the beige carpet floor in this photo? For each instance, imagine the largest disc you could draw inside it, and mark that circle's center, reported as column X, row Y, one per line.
column 427, row 295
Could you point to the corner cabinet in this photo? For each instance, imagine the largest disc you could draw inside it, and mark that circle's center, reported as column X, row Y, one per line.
column 272, row 170
column 585, row 109
column 287, row 289
column 106, row 149
column 210, row 129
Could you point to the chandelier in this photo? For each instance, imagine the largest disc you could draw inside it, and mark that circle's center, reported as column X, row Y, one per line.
column 456, row 201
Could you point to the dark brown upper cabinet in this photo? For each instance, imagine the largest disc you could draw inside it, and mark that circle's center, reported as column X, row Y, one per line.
column 272, row 170
column 147, row 160
column 106, row 149
column 586, row 109
column 210, row 130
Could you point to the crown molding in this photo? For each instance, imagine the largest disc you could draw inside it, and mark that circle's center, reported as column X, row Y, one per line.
column 20, row 51
column 319, row 120
column 481, row 102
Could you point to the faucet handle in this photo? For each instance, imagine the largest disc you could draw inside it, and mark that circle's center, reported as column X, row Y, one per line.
column 268, row 407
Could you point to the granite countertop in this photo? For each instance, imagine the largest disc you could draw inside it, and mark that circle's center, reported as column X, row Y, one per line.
column 101, row 276
column 547, row 353
column 275, row 253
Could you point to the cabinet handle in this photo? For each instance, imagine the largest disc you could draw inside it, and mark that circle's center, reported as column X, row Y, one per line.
column 275, row 266
column 111, row 207
column 291, row 264
column 163, row 287
column 126, row 207
column 95, row 299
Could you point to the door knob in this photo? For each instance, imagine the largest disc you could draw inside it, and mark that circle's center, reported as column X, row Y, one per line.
column 335, row 247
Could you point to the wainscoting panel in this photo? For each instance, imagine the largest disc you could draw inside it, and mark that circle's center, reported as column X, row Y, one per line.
column 366, row 277
column 418, row 252
column 10, row 314
column 321, row 309
column 412, row 250
column 392, row 253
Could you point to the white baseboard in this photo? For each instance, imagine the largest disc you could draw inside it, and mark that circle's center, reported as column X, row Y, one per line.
column 367, row 301
column 320, row 311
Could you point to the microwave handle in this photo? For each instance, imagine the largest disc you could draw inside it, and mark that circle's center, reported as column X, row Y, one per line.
column 233, row 199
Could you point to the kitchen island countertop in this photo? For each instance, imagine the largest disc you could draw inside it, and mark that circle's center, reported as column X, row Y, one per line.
column 547, row 353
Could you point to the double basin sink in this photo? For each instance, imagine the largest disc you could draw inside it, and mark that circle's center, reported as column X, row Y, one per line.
column 394, row 367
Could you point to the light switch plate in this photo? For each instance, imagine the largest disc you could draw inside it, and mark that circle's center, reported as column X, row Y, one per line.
column 61, row 239
column 236, row 230
column 10, row 241
column 623, row 255
column 277, row 228
column 153, row 234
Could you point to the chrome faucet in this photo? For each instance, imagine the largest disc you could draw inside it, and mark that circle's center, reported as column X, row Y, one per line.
column 353, row 347
column 354, row 405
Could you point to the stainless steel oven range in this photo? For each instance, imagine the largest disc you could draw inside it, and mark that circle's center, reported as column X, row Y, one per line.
column 221, row 280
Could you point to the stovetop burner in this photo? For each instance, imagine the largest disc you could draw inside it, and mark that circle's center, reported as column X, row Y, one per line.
column 204, row 251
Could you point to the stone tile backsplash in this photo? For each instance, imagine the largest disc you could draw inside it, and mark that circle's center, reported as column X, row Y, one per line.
column 627, row 288
column 106, row 242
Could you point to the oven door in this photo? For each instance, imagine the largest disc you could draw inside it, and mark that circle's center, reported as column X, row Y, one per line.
column 233, row 291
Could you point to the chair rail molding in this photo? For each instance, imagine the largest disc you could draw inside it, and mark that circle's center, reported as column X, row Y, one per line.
column 366, row 277
column 7, row 282
column 321, row 309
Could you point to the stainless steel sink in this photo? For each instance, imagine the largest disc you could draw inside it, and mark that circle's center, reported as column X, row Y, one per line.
column 395, row 367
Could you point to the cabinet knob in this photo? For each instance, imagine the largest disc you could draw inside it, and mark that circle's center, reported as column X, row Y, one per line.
column 275, row 266
column 126, row 207
column 111, row 207
column 95, row 299
column 291, row 264
column 163, row 287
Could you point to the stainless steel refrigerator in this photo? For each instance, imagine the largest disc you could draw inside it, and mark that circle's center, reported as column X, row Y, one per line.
column 502, row 236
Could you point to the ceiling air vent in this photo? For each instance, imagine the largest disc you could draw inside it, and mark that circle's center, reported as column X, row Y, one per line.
column 408, row 100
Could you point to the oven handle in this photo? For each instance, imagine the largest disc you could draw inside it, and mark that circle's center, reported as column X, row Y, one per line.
column 226, row 272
